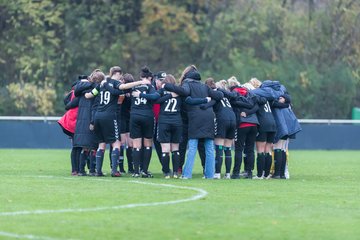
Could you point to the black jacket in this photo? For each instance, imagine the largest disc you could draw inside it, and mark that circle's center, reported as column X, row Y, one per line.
column 83, row 137
column 201, row 121
column 248, row 105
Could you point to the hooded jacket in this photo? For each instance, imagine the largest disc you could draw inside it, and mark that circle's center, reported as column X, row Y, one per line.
column 68, row 121
column 83, row 136
column 287, row 125
column 250, row 113
column 201, row 121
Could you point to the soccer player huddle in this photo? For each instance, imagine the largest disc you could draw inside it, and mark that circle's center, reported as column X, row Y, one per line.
column 179, row 118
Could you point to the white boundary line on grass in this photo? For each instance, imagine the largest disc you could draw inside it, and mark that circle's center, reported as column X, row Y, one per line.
column 201, row 194
column 27, row 236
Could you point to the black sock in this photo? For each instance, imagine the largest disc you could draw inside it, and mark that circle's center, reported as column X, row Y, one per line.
column 175, row 158
column 74, row 157
column 130, row 159
column 92, row 161
column 110, row 151
column 277, row 161
column 228, row 158
column 99, row 160
column 238, row 157
column 283, row 164
column 121, row 159
column 260, row 164
column 218, row 158
column 141, row 159
column 83, row 159
column 136, row 158
column 268, row 162
column 88, row 160
column 77, row 159
column 114, row 159
column 246, row 164
column 165, row 162
column 147, row 158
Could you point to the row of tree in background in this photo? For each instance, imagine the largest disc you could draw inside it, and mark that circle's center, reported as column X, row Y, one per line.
column 312, row 46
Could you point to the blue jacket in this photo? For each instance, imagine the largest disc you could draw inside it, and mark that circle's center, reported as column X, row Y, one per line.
column 270, row 90
column 287, row 125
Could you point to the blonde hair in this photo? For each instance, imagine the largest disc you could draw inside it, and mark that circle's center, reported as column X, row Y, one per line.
column 248, row 86
column 222, row 84
column 232, row 81
column 255, row 82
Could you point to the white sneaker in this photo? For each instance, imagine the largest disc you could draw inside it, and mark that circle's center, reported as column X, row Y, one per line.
column 269, row 176
column 256, row 177
column 217, row 176
column 243, row 173
column 227, row 176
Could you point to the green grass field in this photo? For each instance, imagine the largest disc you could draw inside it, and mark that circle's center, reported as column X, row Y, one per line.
column 40, row 200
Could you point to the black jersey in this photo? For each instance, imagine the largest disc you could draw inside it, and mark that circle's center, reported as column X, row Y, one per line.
column 223, row 110
column 170, row 108
column 265, row 116
column 108, row 98
column 125, row 107
column 143, row 105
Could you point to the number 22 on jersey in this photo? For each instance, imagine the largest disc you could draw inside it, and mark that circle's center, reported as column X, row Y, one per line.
column 171, row 105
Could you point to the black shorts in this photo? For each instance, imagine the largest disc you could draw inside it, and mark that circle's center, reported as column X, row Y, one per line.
column 124, row 125
column 141, row 127
column 225, row 129
column 107, row 130
column 265, row 137
column 169, row 133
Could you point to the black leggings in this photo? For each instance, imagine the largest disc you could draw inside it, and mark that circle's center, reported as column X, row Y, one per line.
column 245, row 142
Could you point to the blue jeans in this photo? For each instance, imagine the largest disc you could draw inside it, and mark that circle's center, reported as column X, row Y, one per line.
column 209, row 160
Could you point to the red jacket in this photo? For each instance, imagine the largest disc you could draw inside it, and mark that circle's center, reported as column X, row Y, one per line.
column 156, row 110
column 68, row 120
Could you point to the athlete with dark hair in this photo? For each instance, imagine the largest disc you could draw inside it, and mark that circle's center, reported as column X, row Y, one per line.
column 142, row 122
